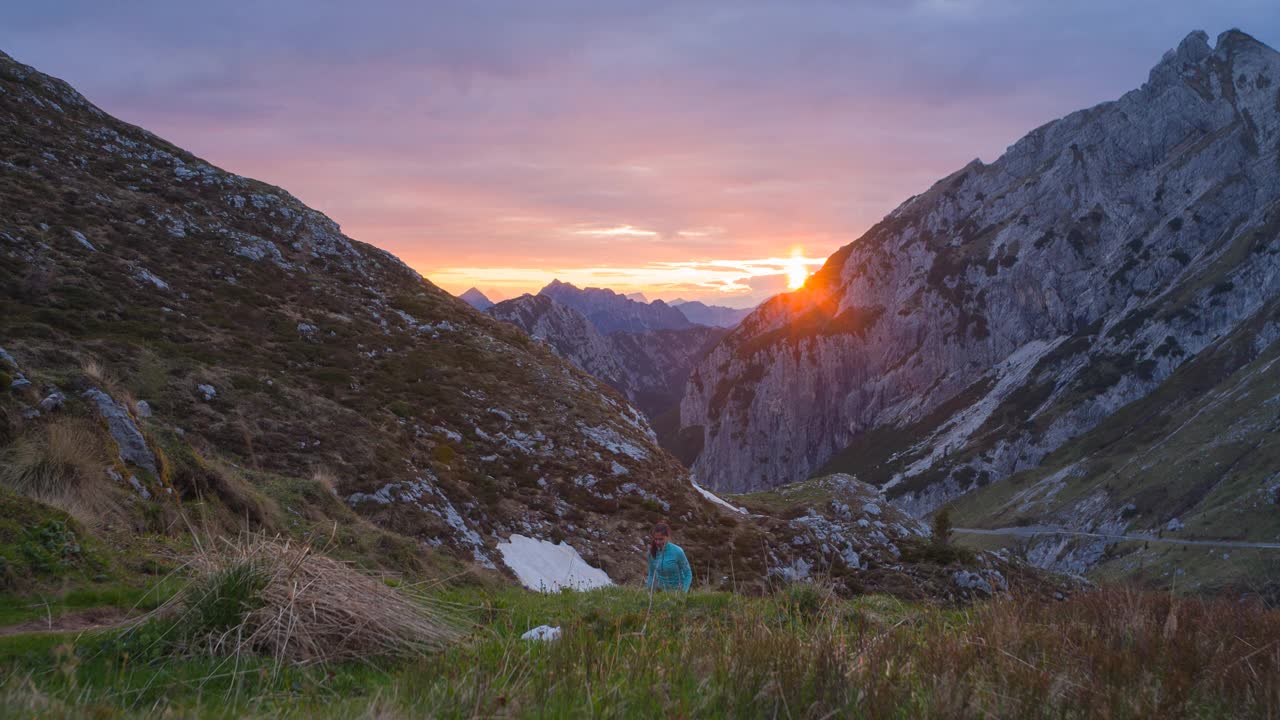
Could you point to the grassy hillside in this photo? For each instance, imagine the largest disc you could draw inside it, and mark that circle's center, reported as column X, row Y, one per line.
column 802, row 653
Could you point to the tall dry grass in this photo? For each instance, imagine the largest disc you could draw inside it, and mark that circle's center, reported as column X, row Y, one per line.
column 1109, row 654
column 63, row 463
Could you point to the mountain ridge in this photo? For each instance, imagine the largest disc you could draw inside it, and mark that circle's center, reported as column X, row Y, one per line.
column 1013, row 306
column 220, row 354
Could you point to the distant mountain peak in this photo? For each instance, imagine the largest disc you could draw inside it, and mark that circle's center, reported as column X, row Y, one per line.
column 717, row 315
column 611, row 312
column 476, row 299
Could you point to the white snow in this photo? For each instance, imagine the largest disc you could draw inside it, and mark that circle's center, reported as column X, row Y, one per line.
column 715, row 498
column 547, row 567
column 542, row 632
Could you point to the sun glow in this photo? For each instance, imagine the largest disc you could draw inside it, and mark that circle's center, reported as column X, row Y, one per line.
column 797, row 273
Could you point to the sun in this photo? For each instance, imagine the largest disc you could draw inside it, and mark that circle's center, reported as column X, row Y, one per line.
column 797, row 273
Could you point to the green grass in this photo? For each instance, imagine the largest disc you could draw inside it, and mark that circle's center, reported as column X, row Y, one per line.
column 799, row 653
column 16, row 609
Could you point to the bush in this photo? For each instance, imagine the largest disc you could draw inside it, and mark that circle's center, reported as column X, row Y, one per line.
column 942, row 527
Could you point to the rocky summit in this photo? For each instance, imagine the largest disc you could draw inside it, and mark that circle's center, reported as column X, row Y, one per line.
column 188, row 347
column 1077, row 305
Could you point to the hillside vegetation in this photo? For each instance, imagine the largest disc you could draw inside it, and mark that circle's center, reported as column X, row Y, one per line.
column 802, row 653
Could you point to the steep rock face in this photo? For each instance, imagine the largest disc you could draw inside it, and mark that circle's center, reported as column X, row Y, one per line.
column 611, row 312
column 649, row 368
column 719, row 316
column 1016, row 305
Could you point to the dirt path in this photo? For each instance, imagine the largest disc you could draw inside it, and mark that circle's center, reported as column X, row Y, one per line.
column 1041, row 530
column 75, row 621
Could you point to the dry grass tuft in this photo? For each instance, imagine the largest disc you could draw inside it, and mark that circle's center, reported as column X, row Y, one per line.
column 98, row 374
column 268, row 596
column 56, row 461
column 327, row 479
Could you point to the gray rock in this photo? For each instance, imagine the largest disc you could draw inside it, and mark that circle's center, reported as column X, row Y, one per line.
column 208, row 392
column 971, row 581
column 30, row 413
column 144, row 409
column 84, row 242
column 53, row 401
column 133, row 446
column 20, row 383
column 6, row 360
column 1174, row 525
column 139, row 487
column 145, row 276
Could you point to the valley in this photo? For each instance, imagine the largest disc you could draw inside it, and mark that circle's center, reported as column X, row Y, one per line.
column 1013, row 452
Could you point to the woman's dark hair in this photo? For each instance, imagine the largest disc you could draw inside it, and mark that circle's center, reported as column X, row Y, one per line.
column 659, row 529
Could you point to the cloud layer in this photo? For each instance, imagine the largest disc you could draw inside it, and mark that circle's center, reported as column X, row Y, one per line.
column 495, row 143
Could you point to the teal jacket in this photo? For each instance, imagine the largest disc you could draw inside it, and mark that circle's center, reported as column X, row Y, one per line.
column 669, row 570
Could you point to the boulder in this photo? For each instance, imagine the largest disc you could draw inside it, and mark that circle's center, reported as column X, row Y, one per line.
column 133, row 446
column 53, row 401
column 966, row 580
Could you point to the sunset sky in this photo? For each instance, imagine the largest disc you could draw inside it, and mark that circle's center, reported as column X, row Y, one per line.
column 683, row 149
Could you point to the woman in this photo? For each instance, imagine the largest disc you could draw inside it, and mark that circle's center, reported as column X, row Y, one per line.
column 668, row 567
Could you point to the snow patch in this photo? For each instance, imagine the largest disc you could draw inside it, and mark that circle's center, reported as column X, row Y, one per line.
column 547, row 567
column 715, row 498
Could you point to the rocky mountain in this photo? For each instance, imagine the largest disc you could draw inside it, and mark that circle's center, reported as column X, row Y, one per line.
column 185, row 347
column 611, row 312
column 637, row 296
column 715, row 315
column 1103, row 296
column 649, row 368
column 476, row 299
